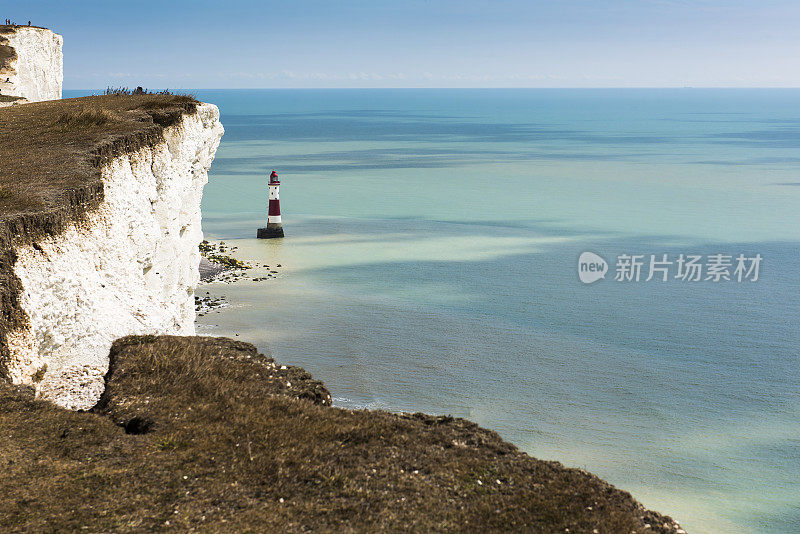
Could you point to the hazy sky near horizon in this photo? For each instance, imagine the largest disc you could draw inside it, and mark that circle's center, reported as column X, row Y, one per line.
column 423, row 43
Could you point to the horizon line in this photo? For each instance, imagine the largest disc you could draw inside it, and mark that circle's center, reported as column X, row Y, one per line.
column 439, row 88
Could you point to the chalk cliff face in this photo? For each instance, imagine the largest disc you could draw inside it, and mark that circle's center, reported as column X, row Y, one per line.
column 31, row 63
column 129, row 268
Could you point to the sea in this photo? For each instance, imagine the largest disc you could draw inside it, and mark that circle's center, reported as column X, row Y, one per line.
column 431, row 263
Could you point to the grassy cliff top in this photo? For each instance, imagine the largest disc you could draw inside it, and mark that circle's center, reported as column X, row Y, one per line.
column 204, row 434
column 8, row 28
column 49, row 149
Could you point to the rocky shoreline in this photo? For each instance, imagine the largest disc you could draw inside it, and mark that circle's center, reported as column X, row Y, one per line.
column 217, row 264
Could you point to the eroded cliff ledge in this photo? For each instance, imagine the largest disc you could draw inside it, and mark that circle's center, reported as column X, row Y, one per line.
column 99, row 232
column 201, row 434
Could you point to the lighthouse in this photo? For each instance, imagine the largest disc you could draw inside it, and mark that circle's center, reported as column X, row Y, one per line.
column 274, row 227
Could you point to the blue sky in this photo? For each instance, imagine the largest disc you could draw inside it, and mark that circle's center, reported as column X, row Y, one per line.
column 423, row 43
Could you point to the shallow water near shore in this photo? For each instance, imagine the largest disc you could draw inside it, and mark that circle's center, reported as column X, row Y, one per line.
column 430, row 264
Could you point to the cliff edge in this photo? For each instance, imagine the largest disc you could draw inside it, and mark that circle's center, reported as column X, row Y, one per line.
column 99, row 229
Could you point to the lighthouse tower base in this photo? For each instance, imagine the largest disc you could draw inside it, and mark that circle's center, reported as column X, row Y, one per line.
column 271, row 231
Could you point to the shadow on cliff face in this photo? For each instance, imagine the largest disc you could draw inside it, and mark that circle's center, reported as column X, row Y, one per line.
column 206, row 434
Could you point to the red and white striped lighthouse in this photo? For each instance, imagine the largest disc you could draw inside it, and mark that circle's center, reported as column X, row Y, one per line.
column 274, row 227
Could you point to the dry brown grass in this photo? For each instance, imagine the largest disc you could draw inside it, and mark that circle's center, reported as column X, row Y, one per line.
column 220, row 440
column 7, row 28
column 51, row 148
column 84, row 118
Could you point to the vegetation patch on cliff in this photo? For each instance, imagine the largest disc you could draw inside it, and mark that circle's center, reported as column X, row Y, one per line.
column 51, row 155
column 205, row 434
column 7, row 53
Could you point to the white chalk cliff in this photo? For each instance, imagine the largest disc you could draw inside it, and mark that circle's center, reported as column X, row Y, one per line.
column 36, row 69
column 130, row 268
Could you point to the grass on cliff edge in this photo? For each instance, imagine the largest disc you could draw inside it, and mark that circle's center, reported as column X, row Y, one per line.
column 49, row 148
column 205, row 434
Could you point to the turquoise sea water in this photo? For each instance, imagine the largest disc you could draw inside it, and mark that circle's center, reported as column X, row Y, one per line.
column 430, row 264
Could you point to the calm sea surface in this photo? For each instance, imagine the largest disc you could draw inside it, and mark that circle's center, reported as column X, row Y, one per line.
column 430, row 264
